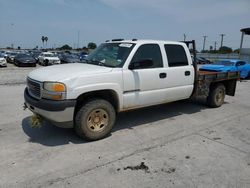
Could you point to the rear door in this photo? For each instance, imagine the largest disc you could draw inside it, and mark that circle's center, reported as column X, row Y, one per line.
column 180, row 72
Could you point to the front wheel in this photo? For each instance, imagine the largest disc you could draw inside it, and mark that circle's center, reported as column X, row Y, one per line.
column 95, row 119
column 46, row 62
column 216, row 96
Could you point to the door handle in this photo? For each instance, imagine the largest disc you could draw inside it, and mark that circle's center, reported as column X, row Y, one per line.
column 187, row 73
column 163, row 75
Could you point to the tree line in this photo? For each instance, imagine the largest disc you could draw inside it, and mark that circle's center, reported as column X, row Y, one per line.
column 221, row 50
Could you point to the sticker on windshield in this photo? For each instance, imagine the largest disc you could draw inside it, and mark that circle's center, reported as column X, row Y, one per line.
column 126, row 45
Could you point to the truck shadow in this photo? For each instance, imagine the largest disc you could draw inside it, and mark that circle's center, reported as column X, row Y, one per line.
column 147, row 115
column 50, row 135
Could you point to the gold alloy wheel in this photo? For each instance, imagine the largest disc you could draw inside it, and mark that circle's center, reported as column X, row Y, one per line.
column 97, row 120
column 220, row 96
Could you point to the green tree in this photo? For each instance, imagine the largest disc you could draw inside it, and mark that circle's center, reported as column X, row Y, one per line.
column 46, row 40
column 225, row 50
column 92, row 45
column 43, row 39
column 66, row 47
column 237, row 51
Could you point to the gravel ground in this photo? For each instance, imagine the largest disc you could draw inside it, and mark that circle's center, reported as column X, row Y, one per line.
column 14, row 75
column 182, row 144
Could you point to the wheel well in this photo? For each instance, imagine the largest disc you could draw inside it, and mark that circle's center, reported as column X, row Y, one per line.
column 108, row 95
column 230, row 86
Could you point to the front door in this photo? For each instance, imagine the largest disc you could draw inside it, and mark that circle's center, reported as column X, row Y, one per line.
column 144, row 86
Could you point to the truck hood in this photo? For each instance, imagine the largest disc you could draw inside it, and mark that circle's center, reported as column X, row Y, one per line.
column 66, row 71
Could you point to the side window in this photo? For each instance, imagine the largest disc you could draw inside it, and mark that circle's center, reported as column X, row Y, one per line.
column 176, row 55
column 149, row 52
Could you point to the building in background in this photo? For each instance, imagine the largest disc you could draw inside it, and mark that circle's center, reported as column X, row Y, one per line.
column 244, row 52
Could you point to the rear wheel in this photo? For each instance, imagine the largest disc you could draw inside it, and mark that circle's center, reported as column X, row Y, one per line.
column 216, row 96
column 95, row 119
column 248, row 76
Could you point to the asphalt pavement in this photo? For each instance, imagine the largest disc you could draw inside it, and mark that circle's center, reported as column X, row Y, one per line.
column 181, row 144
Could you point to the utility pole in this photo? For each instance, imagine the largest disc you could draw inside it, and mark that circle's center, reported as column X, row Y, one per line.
column 78, row 37
column 222, row 36
column 215, row 44
column 204, row 42
column 184, row 35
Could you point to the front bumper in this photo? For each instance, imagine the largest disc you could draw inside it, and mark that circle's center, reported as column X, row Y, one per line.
column 3, row 64
column 59, row 113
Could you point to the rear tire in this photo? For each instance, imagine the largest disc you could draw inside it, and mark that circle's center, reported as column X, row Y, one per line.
column 95, row 119
column 216, row 96
column 248, row 76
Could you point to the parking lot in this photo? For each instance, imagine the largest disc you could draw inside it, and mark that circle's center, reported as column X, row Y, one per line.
column 182, row 144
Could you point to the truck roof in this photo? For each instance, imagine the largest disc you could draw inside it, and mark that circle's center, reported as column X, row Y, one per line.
column 143, row 41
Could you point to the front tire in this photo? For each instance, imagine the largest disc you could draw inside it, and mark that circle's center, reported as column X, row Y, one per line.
column 46, row 62
column 216, row 96
column 95, row 119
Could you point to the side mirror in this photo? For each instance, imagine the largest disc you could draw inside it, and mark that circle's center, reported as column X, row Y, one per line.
column 141, row 64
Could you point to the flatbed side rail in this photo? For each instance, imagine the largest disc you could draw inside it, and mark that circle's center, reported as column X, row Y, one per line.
column 206, row 78
column 217, row 76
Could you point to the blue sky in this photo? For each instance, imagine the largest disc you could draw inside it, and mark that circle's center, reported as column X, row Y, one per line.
column 24, row 22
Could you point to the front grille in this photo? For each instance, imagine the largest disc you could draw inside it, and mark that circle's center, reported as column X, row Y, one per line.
column 34, row 88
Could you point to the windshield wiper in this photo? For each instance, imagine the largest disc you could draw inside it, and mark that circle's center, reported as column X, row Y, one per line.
column 96, row 62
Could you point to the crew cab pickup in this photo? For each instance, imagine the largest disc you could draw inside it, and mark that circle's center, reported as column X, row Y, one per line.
column 118, row 76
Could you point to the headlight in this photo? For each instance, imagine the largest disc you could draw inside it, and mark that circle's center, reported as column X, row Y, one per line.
column 54, row 86
column 54, row 90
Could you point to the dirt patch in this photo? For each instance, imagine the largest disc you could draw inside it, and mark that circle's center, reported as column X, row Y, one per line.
column 169, row 171
column 142, row 166
column 210, row 131
column 217, row 138
column 187, row 157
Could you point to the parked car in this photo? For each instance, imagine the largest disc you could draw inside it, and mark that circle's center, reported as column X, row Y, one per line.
column 3, row 62
column 229, row 65
column 83, row 55
column 48, row 58
column 69, row 58
column 11, row 56
column 24, row 60
column 35, row 54
column 202, row 60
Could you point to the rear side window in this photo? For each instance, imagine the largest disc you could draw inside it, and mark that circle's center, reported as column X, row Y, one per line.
column 176, row 55
column 149, row 51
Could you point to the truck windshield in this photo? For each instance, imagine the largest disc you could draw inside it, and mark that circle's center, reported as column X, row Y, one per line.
column 110, row 54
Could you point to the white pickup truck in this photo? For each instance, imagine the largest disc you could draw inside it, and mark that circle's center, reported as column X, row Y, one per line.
column 121, row 75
